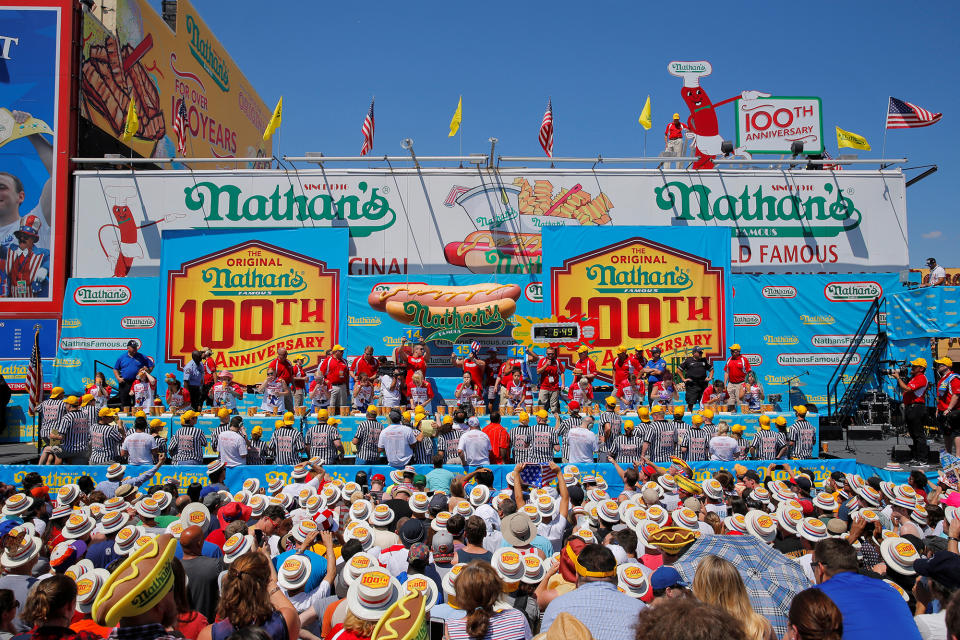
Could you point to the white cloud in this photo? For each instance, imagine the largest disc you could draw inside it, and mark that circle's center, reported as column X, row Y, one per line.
column 931, row 235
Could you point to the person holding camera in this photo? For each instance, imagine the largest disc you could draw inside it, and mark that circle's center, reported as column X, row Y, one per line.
column 948, row 399
column 915, row 410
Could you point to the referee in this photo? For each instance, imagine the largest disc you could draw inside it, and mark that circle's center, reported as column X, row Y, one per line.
column 366, row 439
column 915, row 409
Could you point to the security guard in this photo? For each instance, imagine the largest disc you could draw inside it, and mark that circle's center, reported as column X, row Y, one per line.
column 915, row 410
column 948, row 404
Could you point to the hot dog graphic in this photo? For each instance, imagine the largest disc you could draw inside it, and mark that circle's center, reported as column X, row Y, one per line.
column 402, row 301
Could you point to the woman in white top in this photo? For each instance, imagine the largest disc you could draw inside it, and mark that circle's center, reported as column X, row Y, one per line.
column 420, row 392
column 144, row 390
column 273, row 389
column 752, row 392
column 100, row 390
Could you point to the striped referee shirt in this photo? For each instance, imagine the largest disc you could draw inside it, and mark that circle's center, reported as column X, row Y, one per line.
column 696, row 443
column 188, row 444
column 743, row 447
column 215, row 435
column 50, row 412
column 662, row 436
column 321, row 438
column 161, row 445
column 105, row 441
column 626, row 449
column 565, row 425
column 521, row 439
column 544, row 441
column 449, row 444
column 258, row 452
column 423, row 451
column 368, row 435
column 287, row 443
column 801, row 437
column 767, row 443
column 614, row 419
column 74, row 426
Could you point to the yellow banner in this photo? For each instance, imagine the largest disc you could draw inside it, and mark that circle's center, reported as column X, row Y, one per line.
column 147, row 62
column 851, row 140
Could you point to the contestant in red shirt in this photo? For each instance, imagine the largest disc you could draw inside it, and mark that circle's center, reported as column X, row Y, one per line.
column 366, row 363
column 299, row 386
column 471, row 364
column 588, row 368
column 915, row 410
column 417, row 361
column 550, row 371
column 622, row 367
column 284, row 369
column 735, row 372
column 336, row 372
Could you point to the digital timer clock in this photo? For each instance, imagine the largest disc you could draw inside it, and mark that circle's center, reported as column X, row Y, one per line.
column 556, row 332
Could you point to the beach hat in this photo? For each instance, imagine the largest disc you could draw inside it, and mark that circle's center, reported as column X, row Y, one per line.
column 712, row 488
column 788, row 518
column 671, row 539
column 237, row 545
column 372, row 593
column 632, row 581
column 126, row 539
column 89, row 584
column 508, row 563
column 686, row 518
column 825, row 501
column 23, row 553
column 257, row 504
column 17, row 504
column 761, row 525
column 480, row 494
column 812, row 529
column 518, row 529
column 736, row 523
column 899, row 554
column 439, row 522
column 148, row 508
column 114, row 521
column 78, row 525
column 197, row 514
column 138, row 584
column 294, row 572
column 67, row 494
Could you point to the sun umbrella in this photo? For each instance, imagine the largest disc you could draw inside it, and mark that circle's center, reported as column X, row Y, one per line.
column 771, row 578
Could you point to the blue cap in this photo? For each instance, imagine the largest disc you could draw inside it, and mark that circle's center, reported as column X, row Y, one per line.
column 666, row 577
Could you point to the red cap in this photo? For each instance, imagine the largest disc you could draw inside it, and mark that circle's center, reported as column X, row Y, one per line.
column 648, row 470
column 233, row 511
column 378, row 477
column 40, row 492
column 573, row 405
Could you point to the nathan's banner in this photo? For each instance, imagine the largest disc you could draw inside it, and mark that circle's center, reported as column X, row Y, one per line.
column 246, row 295
column 144, row 59
column 461, row 222
column 100, row 316
column 664, row 288
column 772, row 125
column 794, row 330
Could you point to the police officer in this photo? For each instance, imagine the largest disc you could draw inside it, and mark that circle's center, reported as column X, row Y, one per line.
column 948, row 404
column 915, row 410
column 696, row 369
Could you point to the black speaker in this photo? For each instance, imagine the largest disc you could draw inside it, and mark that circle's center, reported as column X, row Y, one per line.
column 830, row 432
column 865, row 431
column 933, row 457
column 900, row 453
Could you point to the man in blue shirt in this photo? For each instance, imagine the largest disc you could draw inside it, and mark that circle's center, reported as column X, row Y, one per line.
column 656, row 368
column 596, row 602
column 126, row 368
column 871, row 608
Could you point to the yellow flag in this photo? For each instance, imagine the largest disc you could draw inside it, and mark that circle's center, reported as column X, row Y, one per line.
column 274, row 123
column 455, row 120
column 644, row 118
column 132, row 124
column 852, row 140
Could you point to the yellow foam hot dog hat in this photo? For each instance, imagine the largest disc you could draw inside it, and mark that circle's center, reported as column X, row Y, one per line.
column 137, row 585
column 404, row 620
column 11, row 130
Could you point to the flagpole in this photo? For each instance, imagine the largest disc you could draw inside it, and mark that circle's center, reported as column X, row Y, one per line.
column 883, row 148
column 460, row 135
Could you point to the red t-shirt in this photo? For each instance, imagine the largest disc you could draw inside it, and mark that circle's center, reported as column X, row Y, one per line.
column 499, row 439
column 190, row 624
column 575, row 392
column 284, row 370
column 209, row 371
column 621, row 370
column 475, row 369
column 674, row 130
column 549, row 374
column 507, row 369
column 737, row 369
column 918, row 389
column 949, row 386
column 586, row 366
column 360, row 365
column 335, row 370
column 297, row 373
column 490, row 369
column 414, row 364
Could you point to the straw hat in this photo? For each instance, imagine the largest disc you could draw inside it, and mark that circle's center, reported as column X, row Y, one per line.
column 761, row 525
column 382, row 516
column 126, row 540
column 812, row 529
column 68, row 494
column 508, row 564
column 905, row 497
column 175, row 528
column 903, row 593
column 449, row 579
column 17, row 504
column 686, row 518
column 237, row 545
column 362, row 535
column 420, row 502
column 736, row 523
column 480, row 494
column 667, row 483
column 899, row 554
column 644, row 530
column 871, row 496
column 78, row 525
column 148, row 508
column 21, row 554
column 532, row 512
column 548, row 507
column 372, row 593
column 358, row 563
column 825, row 501
column 712, row 488
column 89, row 585
column 422, row 584
column 294, row 572
column 257, row 504
column 919, row 515
column 633, row 581
column 275, row 485
column 303, row 530
column 788, row 518
column 197, row 514
column 464, row 509
column 760, row 494
column 657, row 514
column 609, row 511
column 534, row 569
column 61, row 511
column 114, row 521
column 518, row 529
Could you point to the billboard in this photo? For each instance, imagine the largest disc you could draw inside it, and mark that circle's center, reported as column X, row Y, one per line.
column 490, row 222
column 246, row 295
column 35, row 142
column 158, row 68
column 772, row 125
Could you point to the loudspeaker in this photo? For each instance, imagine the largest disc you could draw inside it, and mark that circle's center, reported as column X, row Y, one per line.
column 830, row 432
column 865, row 431
column 900, row 453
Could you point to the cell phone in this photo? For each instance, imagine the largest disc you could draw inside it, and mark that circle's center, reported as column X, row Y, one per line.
column 778, row 467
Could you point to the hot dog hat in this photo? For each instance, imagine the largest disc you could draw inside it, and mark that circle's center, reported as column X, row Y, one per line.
column 138, row 584
column 406, row 618
column 11, row 130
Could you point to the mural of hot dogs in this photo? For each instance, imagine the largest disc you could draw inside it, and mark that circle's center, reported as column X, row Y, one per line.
column 497, row 252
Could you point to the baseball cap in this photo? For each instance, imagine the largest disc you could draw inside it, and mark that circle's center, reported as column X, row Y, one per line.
column 132, row 343
column 944, row 567
column 443, row 547
column 945, row 361
column 735, row 347
column 919, row 362
column 666, row 576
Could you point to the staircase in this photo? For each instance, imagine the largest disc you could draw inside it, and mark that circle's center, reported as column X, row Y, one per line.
column 844, row 391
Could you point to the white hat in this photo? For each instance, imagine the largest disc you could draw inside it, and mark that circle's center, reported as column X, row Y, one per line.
column 788, row 518
column 686, row 518
column 761, row 525
column 761, row 494
column 667, row 483
column 422, row 584
column 304, row 529
column 148, row 508
column 349, row 488
column 362, row 534
column 533, row 569
column 480, row 494
column 899, row 554
column 439, row 522
column 449, row 579
column 299, row 472
column 126, row 540
column 163, row 499
column 237, row 545
column 870, row 496
column 903, row 593
column 712, row 488
column 88, row 586
column 276, row 484
column 175, row 528
column 61, row 511
column 585, row 534
column 905, row 497
column 358, row 563
column 115, row 504
column 813, row 529
column 331, row 494
column 548, row 507
column 257, row 504
column 372, row 594
column 361, row 510
column 114, row 521
column 419, row 502
column 633, row 580
column 305, row 494
column 919, row 515
column 690, row 72
column 17, row 504
column 116, row 471
column 197, row 514
column 508, row 563
column 736, row 522
column 597, row 495
column 96, row 510
column 25, row 552
column 533, row 513
column 645, row 529
column 251, row 484
column 68, row 493
column 294, row 572
column 657, row 514
column 825, row 501
column 609, row 511
column 382, row 516
column 78, row 525
column 78, row 569
column 888, row 489
column 215, row 466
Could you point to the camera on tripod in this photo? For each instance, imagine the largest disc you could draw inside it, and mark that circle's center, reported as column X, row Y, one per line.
column 903, row 370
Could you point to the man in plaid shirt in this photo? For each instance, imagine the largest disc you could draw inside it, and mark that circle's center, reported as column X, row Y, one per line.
column 571, row 421
column 627, row 446
column 367, row 436
column 287, row 443
column 545, row 442
column 105, row 438
column 188, row 443
column 660, row 443
column 324, row 441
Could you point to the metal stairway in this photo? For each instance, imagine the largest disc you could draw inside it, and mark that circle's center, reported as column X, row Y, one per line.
column 842, row 402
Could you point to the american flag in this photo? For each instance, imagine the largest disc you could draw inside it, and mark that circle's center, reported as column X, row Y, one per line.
column 180, row 126
column 35, row 374
column 367, row 131
column 537, row 475
column 903, row 115
column 546, row 130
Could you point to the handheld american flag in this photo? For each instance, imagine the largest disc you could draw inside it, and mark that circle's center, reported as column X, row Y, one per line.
column 537, row 475
column 35, row 374
column 180, row 126
column 903, row 115
column 546, row 130
column 367, row 131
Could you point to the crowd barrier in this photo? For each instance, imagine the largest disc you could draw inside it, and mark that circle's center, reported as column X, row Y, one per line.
column 57, row 476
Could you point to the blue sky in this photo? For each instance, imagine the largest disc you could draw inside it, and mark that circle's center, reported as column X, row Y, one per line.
column 598, row 61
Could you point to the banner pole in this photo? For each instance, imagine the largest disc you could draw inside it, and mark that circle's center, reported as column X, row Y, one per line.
column 883, row 148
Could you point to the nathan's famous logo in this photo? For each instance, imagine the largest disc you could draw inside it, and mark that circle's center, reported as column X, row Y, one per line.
column 205, row 54
column 814, row 359
column 688, row 67
column 138, row 322
column 817, row 319
column 643, row 293
column 783, row 291
column 780, row 340
column 852, row 291
column 533, row 292
column 247, row 301
column 746, row 319
column 841, row 340
column 445, row 312
column 789, row 216
column 228, row 203
column 102, row 295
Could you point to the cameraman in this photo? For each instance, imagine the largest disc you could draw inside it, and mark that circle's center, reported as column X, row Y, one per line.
column 915, row 410
column 948, row 397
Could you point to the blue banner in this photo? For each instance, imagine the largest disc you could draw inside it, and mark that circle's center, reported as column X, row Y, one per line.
column 100, row 316
column 929, row 312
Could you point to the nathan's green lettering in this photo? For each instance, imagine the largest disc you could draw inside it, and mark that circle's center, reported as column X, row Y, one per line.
column 613, row 280
column 451, row 324
column 812, row 216
column 207, row 56
column 365, row 213
column 224, row 282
